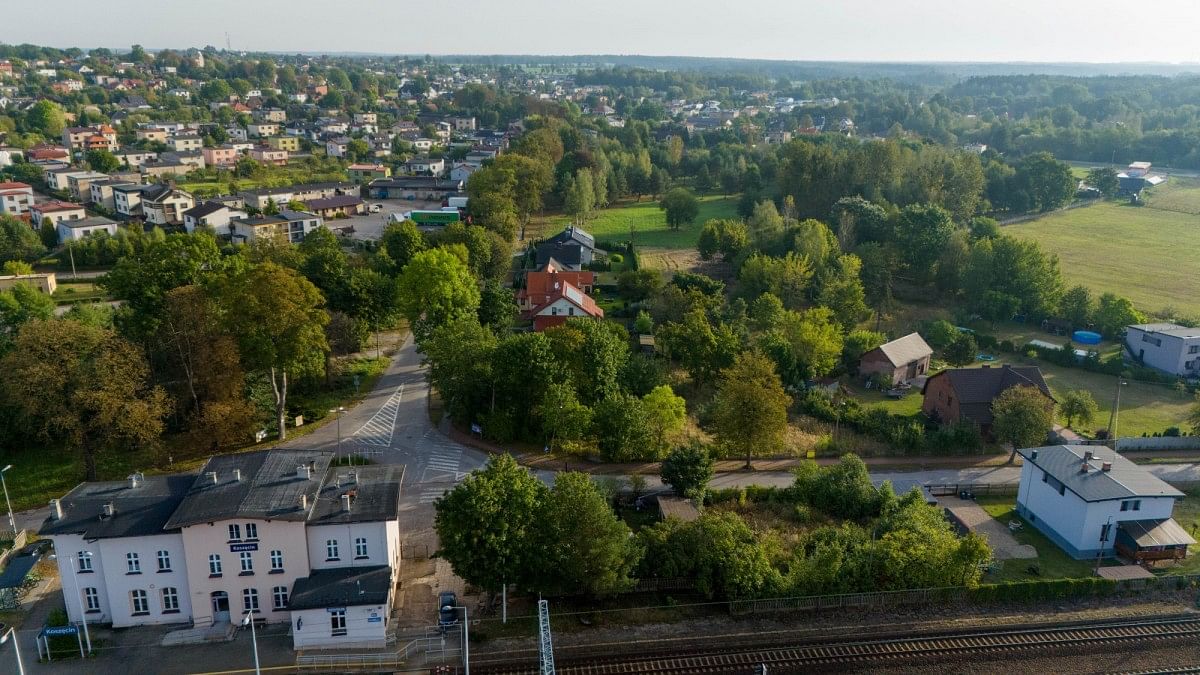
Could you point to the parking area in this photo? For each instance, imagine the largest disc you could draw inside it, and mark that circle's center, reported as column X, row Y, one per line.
column 370, row 227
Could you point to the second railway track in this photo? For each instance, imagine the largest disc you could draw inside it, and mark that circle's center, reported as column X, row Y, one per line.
column 779, row 658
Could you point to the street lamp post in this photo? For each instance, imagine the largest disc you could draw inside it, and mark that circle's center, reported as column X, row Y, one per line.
column 12, row 522
column 87, row 635
column 254, row 640
column 338, row 411
column 11, row 634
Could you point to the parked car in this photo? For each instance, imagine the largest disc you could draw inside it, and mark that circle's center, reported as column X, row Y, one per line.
column 376, row 208
column 447, row 601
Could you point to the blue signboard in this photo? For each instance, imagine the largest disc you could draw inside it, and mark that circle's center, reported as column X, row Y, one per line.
column 331, row 610
column 235, row 548
column 60, row 630
column 374, row 619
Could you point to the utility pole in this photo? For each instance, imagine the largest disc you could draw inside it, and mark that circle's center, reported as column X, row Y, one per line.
column 71, row 252
column 12, row 522
column 546, row 647
column 82, row 610
column 1116, row 411
column 254, row 640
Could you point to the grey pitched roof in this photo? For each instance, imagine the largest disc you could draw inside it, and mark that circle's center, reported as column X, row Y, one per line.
column 976, row 388
column 576, row 235
column 1125, row 480
column 204, row 209
column 564, row 252
column 341, row 587
column 374, row 492
column 336, row 201
column 137, row 511
column 904, row 350
column 270, row 486
column 1160, row 532
column 90, row 221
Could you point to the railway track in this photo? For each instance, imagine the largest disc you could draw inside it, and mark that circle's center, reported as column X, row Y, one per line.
column 743, row 659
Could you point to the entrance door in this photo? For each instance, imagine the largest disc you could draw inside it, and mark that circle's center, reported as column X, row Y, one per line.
column 220, row 606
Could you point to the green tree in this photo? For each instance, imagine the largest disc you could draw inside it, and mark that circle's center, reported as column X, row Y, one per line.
column 699, row 347
column 622, row 428
column 276, row 316
column 1078, row 404
column 688, row 469
column 1048, row 182
column 1104, row 179
column 842, row 291
column 923, row 231
column 726, row 237
column 665, row 415
column 17, row 268
column 563, row 417
column 497, row 306
column 637, row 285
column 1114, row 313
column 681, row 207
column 962, row 350
column 402, row 241
column 750, row 408
column 460, row 354
column 579, row 197
column 83, row 385
column 805, row 345
column 1077, row 306
column 488, row 525
column 587, row 548
column 18, row 306
column 18, row 241
column 844, row 490
column 46, row 118
column 860, row 342
column 940, row 333
column 718, row 550
column 643, row 324
column 102, row 160
column 435, row 288
column 1022, row 416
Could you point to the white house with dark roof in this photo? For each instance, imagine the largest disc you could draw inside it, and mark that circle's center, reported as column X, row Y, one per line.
column 1167, row 347
column 281, row 535
column 1093, row 502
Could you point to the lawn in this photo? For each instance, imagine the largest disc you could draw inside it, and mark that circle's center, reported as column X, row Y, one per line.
column 1052, row 561
column 71, row 292
column 1177, row 194
column 1187, row 514
column 1139, row 252
column 648, row 223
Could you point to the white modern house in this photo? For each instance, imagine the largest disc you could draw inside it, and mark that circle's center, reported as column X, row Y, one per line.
column 281, row 535
column 1093, row 502
column 1166, row 346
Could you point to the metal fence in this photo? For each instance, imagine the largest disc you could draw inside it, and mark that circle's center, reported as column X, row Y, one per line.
column 977, row 489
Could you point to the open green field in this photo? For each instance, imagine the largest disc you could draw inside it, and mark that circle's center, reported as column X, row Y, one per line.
column 1052, row 561
column 1142, row 253
column 648, row 222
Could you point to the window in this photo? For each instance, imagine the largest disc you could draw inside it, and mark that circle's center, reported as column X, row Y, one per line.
column 1131, row 505
column 276, row 561
column 141, row 603
column 1194, row 349
column 360, row 547
column 337, row 622
column 170, row 599
column 1054, row 483
column 91, row 598
column 235, row 532
column 164, row 561
column 133, row 565
column 247, row 561
column 279, row 593
column 252, row 531
column 85, row 561
column 250, row 600
column 214, row 565
column 331, row 549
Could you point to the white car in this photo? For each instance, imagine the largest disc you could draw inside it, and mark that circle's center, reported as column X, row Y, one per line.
column 376, row 208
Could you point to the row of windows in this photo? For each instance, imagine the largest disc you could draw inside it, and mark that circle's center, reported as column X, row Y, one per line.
column 279, row 596
column 246, row 561
column 235, row 532
column 133, row 562
column 333, row 553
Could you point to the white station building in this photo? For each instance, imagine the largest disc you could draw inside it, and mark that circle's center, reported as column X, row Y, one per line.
column 281, row 535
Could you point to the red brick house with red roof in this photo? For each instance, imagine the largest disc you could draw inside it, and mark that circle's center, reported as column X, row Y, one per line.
column 565, row 302
column 541, row 286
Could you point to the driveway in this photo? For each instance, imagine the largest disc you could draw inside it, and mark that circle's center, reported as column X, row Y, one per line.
column 370, row 227
column 974, row 518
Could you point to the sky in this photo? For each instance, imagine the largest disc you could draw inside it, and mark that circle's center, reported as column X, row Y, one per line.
column 1097, row 31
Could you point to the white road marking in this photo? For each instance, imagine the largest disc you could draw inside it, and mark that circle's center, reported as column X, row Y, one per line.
column 379, row 429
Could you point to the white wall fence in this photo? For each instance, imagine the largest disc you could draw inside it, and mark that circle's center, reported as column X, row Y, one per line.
column 1137, row 443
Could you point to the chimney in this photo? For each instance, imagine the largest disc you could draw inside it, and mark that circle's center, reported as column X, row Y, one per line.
column 212, row 475
column 1084, row 466
column 1033, row 454
column 109, row 510
column 304, row 471
column 1107, row 466
column 346, row 502
column 1088, row 455
column 237, row 475
column 56, row 509
column 303, row 502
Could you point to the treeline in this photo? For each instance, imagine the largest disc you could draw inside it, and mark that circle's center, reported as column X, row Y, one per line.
column 503, row 527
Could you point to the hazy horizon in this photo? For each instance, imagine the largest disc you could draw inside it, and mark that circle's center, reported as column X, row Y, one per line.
column 865, row 31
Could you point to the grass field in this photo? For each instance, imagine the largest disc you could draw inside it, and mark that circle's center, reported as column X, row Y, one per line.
column 1143, row 253
column 649, row 223
column 71, row 292
column 1052, row 561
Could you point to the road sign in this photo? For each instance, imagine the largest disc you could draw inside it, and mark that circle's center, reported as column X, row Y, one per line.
column 55, row 631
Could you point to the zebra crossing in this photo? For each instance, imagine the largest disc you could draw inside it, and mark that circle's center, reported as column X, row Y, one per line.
column 431, row 493
column 378, row 430
column 442, row 458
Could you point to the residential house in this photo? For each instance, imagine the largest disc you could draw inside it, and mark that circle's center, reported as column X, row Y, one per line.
column 224, row 155
column 365, row 173
column 262, row 129
column 265, row 154
column 426, row 166
column 80, row 138
column 1167, row 347
column 55, row 211
column 259, row 198
column 136, row 158
column 166, row 168
column 287, row 225
column 187, row 143
column 164, row 204
column 422, row 144
column 477, row 157
column 462, row 171
column 42, row 282
column 78, row 184
column 276, row 115
column 566, row 301
column 337, row 147
column 966, row 394
column 276, row 535
column 901, row 360
column 15, row 198
column 414, row 187
column 288, row 143
column 48, row 152
column 573, row 248
column 366, row 118
column 236, row 133
column 154, row 134
column 463, row 123
column 101, row 193
column 128, row 199
column 1095, row 503
column 74, row 230
column 9, row 154
column 542, row 285
column 337, row 206
column 56, row 179
column 212, row 214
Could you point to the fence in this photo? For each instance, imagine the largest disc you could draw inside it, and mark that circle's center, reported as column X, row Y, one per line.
column 1135, row 443
column 13, row 545
column 1033, row 216
column 1017, row 591
column 671, row 584
column 977, row 489
column 434, row 645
